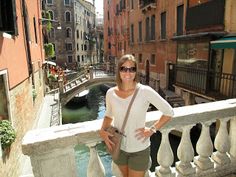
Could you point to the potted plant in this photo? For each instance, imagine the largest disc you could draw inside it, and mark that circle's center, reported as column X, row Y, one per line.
column 7, row 134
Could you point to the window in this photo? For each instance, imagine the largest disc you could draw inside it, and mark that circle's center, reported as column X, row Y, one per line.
column 77, row 34
column 49, row 2
column 153, row 30
column 51, row 14
column 78, row 58
column 67, row 2
column 69, row 59
column 108, row 15
column 67, row 17
column 180, row 14
column 147, row 29
column 163, row 25
column 77, row 47
column 153, row 59
column 8, row 17
column 132, row 33
column 140, row 56
column 35, row 31
column 140, row 31
column 132, row 4
column 85, row 47
column 68, row 46
column 68, row 33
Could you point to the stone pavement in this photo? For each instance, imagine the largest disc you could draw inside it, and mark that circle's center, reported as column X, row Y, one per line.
column 49, row 115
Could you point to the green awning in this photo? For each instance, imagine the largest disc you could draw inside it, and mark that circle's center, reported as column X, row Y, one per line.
column 224, row 43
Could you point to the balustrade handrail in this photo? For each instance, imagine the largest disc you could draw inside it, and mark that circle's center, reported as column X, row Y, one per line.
column 45, row 142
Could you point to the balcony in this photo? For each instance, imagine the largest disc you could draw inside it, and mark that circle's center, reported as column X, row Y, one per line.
column 206, row 15
column 52, row 153
column 146, row 5
column 212, row 84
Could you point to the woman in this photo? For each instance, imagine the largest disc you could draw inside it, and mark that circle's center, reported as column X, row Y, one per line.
column 135, row 151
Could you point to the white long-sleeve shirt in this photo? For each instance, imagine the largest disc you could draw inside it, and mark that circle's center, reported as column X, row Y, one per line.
column 116, row 108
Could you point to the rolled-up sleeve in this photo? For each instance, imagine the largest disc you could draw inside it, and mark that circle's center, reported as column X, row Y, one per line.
column 160, row 103
column 108, row 111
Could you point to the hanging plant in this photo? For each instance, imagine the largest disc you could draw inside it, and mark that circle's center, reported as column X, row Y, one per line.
column 7, row 134
column 49, row 50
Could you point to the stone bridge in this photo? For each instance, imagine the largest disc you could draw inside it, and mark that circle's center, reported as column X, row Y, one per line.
column 84, row 81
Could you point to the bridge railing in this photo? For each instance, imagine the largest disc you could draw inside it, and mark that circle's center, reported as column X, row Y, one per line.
column 104, row 69
column 52, row 150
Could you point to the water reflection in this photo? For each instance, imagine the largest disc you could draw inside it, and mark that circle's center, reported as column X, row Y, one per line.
column 92, row 109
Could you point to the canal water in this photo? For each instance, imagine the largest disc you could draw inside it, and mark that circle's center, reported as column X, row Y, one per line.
column 94, row 108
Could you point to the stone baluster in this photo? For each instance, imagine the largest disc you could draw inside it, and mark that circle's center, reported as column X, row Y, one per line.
column 165, row 156
column 115, row 170
column 95, row 166
column 185, row 153
column 204, row 148
column 222, row 144
column 232, row 151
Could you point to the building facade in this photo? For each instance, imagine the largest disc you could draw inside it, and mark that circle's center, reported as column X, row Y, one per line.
column 144, row 29
column 182, row 43
column 21, row 75
column 74, row 42
column 206, row 60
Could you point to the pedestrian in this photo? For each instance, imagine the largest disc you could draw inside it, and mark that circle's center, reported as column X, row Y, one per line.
column 134, row 157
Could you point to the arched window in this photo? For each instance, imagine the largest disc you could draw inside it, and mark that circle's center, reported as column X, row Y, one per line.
column 68, row 33
column 51, row 14
column 67, row 17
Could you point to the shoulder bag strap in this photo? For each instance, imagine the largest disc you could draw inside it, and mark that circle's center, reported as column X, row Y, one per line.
column 128, row 110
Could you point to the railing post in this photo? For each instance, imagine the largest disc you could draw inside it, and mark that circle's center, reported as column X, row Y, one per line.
column 95, row 166
column 165, row 156
column 115, row 170
column 222, row 144
column 232, row 136
column 185, row 153
column 204, row 148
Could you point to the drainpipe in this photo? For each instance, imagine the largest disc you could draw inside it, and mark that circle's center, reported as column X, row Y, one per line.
column 26, row 32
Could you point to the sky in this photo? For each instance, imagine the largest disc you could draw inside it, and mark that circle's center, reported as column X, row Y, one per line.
column 98, row 5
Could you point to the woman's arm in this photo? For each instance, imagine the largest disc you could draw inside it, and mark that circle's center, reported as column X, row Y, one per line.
column 146, row 132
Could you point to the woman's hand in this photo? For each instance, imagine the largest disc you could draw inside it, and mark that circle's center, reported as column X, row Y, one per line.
column 105, row 136
column 143, row 133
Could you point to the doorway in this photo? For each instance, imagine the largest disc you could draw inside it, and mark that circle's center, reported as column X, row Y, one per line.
column 171, row 78
column 4, row 114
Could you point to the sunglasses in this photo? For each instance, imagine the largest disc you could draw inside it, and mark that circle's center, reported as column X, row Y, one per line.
column 126, row 69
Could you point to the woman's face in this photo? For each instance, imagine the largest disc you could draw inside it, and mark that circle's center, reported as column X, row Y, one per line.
column 127, row 71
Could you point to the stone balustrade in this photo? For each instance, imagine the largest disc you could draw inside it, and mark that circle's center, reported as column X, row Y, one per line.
column 51, row 150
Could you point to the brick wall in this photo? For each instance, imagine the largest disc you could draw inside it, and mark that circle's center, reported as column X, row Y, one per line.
column 23, row 116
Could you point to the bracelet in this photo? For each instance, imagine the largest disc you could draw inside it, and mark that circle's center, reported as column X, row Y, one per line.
column 153, row 129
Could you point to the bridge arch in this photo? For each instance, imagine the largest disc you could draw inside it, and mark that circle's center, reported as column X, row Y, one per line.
column 67, row 96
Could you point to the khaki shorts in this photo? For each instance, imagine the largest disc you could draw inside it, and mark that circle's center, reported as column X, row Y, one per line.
column 139, row 161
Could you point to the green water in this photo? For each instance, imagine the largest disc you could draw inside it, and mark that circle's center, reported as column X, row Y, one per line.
column 93, row 109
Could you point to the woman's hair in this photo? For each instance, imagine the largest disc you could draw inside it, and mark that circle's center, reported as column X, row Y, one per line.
column 122, row 60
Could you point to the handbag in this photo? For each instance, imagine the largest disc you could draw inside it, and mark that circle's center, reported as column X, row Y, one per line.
column 118, row 134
